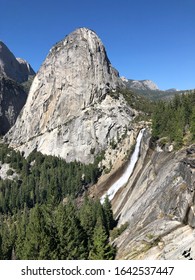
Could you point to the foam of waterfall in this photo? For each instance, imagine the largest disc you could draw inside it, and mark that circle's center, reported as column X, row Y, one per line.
column 126, row 175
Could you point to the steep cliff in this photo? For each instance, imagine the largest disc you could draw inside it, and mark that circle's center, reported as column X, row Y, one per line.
column 158, row 204
column 12, row 99
column 69, row 111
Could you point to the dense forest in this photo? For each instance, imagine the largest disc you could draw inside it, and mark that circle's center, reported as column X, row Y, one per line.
column 42, row 179
column 62, row 232
column 42, row 215
column 175, row 120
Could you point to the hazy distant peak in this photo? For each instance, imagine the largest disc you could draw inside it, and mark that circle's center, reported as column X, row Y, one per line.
column 140, row 84
column 172, row 90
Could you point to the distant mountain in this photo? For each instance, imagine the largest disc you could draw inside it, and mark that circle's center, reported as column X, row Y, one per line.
column 14, row 68
column 140, row 84
column 150, row 90
column 172, row 90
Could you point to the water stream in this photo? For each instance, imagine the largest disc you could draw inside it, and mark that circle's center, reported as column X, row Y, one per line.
column 126, row 175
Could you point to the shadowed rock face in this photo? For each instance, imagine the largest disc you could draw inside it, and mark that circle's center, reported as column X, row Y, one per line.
column 13, row 71
column 14, row 68
column 69, row 112
column 12, row 99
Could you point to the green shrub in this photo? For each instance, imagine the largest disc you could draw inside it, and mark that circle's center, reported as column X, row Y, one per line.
column 9, row 172
column 116, row 232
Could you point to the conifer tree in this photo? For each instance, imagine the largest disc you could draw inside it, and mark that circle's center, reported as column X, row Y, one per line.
column 101, row 249
column 107, row 207
column 87, row 217
column 0, row 247
column 73, row 240
column 41, row 237
column 192, row 123
column 179, row 124
column 22, row 222
column 7, row 235
column 99, row 213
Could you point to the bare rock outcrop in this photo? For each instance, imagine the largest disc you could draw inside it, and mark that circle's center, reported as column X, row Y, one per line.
column 69, row 111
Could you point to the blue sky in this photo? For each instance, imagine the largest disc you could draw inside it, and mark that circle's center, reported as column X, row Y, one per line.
column 144, row 39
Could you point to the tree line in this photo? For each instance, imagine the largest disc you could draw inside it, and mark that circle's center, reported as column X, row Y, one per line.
column 175, row 119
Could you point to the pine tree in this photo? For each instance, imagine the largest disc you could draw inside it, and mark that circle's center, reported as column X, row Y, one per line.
column 73, row 240
column 22, row 222
column 157, row 120
column 41, row 236
column 107, row 207
column 0, row 247
column 101, row 249
column 8, row 238
column 99, row 212
column 179, row 125
column 192, row 123
column 87, row 217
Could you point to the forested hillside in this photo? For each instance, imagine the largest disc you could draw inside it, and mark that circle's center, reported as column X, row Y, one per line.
column 175, row 120
column 41, row 215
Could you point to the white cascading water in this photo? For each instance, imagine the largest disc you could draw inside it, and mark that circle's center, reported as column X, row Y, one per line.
column 125, row 177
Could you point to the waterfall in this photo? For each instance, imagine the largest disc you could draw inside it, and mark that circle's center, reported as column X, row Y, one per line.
column 126, row 175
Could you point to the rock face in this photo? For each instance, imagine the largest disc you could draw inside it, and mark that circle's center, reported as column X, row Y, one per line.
column 14, row 68
column 69, row 111
column 12, row 99
column 158, row 204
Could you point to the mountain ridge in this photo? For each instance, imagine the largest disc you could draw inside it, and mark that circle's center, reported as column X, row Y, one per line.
column 140, row 84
